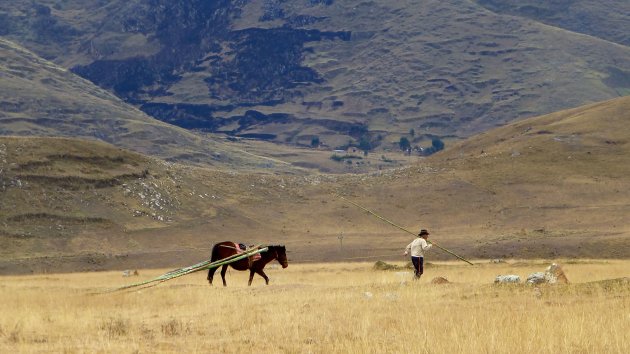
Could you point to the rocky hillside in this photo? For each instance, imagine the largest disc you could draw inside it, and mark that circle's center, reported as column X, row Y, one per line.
column 365, row 73
column 550, row 186
column 66, row 197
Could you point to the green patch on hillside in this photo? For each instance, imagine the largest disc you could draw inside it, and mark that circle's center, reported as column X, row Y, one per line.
column 619, row 80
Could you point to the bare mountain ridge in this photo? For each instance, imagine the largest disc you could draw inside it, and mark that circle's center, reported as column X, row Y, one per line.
column 550, row 186
column 580, row 16
column 284, row 70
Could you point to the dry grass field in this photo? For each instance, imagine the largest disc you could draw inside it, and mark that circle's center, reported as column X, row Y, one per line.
column 324, row 308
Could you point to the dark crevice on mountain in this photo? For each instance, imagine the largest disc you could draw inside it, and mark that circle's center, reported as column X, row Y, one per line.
column 618, row 78
column 202, row 117
column 188, row 116
column 266, row 64
column 127, row 77
column 252, row 67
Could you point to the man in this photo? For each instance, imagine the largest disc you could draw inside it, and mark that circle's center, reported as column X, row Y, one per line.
column 417, row 248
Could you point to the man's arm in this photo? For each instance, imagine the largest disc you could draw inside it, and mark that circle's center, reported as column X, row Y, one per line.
column 407, row 249
column 425, row 245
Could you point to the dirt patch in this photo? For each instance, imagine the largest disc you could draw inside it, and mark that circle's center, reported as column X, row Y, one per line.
column 440, row 280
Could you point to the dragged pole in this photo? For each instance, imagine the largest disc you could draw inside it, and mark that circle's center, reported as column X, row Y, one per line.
column 197, row 267
column 400, row 227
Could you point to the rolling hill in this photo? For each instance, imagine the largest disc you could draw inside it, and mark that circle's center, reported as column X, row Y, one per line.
column 550, row 186
column 546, row 186
column 63, row 197
column 346, row 72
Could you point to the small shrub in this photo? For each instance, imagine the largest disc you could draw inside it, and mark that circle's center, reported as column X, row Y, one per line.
column 380, row 265
column 115, row 327
column 174, row 327
column 338, row 158
column 404, row 144
column 146, row 332
column 385, row 159
column 15, row 336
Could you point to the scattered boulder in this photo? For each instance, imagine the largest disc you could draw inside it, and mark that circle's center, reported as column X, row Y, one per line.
column 128, row 273
column 507, row 279
column 440, row 280
column 497, row 260
column 555, row 274
column 536, row 278
column 552, row 275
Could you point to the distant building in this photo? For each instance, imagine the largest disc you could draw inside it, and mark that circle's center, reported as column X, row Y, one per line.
column 354, row 150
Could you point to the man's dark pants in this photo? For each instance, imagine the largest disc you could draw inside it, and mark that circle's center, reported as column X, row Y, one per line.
column 418, row 265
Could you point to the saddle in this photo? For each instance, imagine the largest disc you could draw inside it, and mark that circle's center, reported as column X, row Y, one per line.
column 241, row 247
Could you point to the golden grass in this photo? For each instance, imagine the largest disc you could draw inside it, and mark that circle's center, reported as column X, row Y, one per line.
column 323, row 308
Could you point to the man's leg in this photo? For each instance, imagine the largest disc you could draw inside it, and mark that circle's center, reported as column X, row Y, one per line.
column 420, row 266
column 416, row 266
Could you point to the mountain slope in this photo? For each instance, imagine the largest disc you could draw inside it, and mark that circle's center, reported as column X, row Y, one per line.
column 39, row 98
column 66, row 197
column 290, row 71
column 551, row 186
column 607, row 19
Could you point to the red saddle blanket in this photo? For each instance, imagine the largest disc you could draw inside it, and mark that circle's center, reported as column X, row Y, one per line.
column 253, row 258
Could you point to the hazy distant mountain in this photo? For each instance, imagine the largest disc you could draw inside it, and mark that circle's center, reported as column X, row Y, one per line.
column 365, row 72
column 39, row 98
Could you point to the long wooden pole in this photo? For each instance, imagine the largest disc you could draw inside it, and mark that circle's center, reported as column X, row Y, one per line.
column 197, row 267
column 400, row 227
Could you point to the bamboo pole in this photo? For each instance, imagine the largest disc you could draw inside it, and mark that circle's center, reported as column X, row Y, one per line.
column 197, row 267
column 400, row 227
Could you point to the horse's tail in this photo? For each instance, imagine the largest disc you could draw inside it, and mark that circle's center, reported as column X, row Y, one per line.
column 215, row 252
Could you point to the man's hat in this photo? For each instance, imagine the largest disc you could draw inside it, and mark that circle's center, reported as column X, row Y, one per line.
column 423, row 232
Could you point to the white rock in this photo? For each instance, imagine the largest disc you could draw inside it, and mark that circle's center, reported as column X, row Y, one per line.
column 536, row 278
column 510, row 278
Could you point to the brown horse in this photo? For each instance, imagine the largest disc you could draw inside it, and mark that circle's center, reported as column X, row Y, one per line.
column 225, row 249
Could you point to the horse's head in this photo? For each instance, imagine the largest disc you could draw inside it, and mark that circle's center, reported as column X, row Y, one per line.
column 281, row 251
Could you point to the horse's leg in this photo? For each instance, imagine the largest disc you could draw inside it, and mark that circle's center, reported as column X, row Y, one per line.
column 223, row 270
column 262, row 274
column 251, row 277
column 211, row 274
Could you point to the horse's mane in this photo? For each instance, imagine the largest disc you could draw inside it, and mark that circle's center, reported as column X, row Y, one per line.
column 275, row 246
